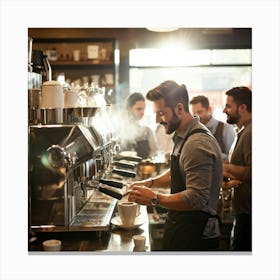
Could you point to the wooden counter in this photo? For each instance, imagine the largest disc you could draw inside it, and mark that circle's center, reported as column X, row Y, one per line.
column 116, row 240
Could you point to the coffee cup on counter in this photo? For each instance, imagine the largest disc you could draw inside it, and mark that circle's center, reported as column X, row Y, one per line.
column 127, row 212
column 52, row 245
column 139, row 242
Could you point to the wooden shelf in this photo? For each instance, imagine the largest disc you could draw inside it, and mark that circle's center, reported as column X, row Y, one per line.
column 99, row 66
column 81, row 63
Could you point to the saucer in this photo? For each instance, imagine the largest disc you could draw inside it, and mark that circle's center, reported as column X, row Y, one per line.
column 140, row 250
column 137, row 223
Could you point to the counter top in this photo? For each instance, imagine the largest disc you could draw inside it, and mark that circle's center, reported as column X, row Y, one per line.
column 116, row 240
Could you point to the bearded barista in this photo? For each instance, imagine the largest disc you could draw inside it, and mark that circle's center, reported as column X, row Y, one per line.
column 239, row 168
column 194, row 177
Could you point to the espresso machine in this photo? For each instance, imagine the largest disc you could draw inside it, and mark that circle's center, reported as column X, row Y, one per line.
column 68, row 171
column 74, row 181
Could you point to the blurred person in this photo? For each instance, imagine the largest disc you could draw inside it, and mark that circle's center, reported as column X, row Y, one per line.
column 223, row 132
column 194, row 177
column 238, row 170
column 134, row 136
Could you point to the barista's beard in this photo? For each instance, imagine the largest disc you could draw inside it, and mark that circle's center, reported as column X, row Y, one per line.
column 233, row 119
column 173, row 125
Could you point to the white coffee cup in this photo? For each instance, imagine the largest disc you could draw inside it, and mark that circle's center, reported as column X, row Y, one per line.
column 76, row 55
column 52, row 245
column 125, row 198
column 127, row 212
column 52, row 95
column 71, row 98
column 139, row 242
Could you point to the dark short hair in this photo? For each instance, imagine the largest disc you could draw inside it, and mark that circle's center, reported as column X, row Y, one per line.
column 133, row 98
column 241, row 95
column 172, row 93
column 201, row 99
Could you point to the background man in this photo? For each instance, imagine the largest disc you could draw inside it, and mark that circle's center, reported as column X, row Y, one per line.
column 223, row 132
column 238, row 109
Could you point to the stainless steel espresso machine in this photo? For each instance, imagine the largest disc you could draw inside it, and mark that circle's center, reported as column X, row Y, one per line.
column 70, row 165
column 69, row 177
column 74, row 179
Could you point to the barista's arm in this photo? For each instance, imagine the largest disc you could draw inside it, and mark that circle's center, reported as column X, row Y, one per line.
column 163, row 181
column 144, row 195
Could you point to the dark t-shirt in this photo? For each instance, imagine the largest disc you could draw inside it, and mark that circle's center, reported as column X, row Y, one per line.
column 242, row 156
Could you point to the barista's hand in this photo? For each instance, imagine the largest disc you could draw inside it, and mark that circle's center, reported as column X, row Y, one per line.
column 141, row 195
column 231, row 183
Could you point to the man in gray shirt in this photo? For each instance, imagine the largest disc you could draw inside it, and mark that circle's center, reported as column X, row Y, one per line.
column 195, row 175
column 223, row 132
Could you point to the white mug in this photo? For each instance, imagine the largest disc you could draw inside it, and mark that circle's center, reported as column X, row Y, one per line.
column 52, row 95
column 76, row 55
column 127, row 212
column 52, row 245
column 139, row 242
column 71, row 98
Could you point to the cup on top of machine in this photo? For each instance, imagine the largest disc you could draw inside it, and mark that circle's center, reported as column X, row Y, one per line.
column 71, row 98
column 52, row 95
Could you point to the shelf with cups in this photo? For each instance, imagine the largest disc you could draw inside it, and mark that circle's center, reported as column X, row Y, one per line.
column 85, row 72
column 82, row 60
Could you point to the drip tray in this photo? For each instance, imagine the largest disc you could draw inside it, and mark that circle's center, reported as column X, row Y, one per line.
column 96, row 215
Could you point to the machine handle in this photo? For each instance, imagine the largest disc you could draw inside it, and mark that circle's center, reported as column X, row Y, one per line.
column 110, row 193
column 124, row 165
column 129, row 158
column 124, row 173
column 112, row 183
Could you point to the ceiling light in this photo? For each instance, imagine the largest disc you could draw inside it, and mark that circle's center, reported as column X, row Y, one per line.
column 168, row 29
